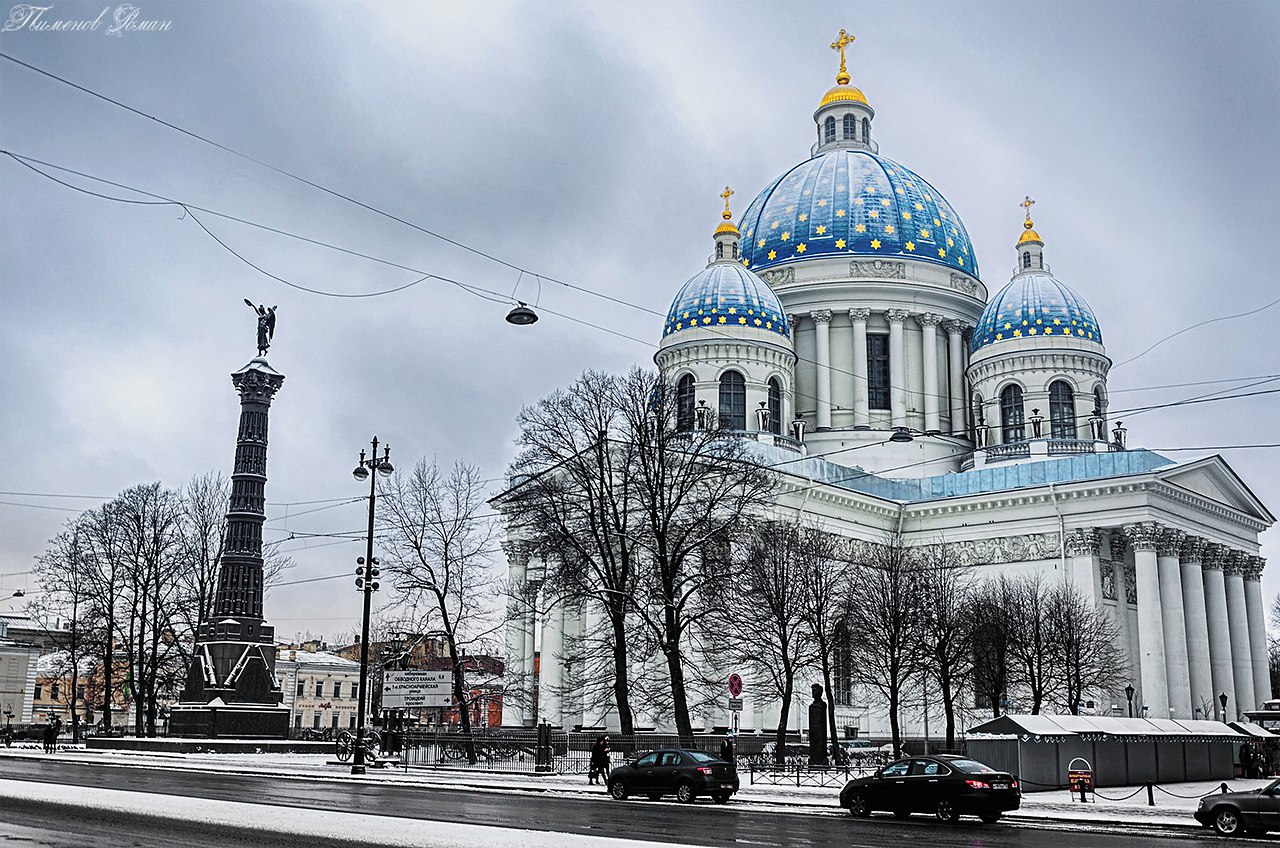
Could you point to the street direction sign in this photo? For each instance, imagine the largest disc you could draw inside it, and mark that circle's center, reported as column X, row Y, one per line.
column 735, row 704
column 735, row 684
column 411, row 689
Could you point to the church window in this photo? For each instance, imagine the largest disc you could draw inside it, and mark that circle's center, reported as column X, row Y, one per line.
column 866, row 131
column 719, row 250
column 829, row 129
column 685, row 403
column 850, row 128
column 877, row 371
column 733, row 401
column 1026, row 259
column 735, row 250
column 1011, row 415
column 842, row 670
column 1062, row 410
column 775, row 406
column 1099, row 405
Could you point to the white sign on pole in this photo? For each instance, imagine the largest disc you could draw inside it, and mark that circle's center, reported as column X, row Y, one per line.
column 411, row 689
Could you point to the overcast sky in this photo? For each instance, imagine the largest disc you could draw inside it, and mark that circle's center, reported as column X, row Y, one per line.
column 585, row 142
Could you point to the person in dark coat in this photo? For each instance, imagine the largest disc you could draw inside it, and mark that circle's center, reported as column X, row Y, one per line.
column 49, row 738
column 599, row 765
column 726, row 748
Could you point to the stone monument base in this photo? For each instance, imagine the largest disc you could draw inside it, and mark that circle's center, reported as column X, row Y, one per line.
column 235, row 721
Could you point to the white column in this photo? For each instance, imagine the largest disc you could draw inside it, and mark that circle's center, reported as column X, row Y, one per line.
column 513, row 708
column 531, row 670
column 822, row 342
column 1197, row 618
column 1083, row 547
column 955, row 376
column 1177, row 672
column 897, row 367
column 549, row 668
column 1238, row 621
column 571, row 665
column 929, row 357
column 1120, row 585
column 1257, row 629
column 861, row 404
column 1155, row 691
column 1215, row 602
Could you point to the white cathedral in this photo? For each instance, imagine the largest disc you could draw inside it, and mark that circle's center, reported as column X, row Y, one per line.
column 844, row 325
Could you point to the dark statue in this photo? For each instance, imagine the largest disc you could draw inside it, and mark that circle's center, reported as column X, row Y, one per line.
column 818, row 729
column 266, row 325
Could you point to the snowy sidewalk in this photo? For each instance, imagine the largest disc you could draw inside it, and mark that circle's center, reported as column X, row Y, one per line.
column 1174, row 803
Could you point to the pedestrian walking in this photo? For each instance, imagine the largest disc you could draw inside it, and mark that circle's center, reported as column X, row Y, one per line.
column 599, row 765
column 48, row 738
column 726, row 748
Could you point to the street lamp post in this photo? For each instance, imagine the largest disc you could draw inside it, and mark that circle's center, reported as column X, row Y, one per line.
column 1222, row 699
column 1128, row 693
column 367, row 583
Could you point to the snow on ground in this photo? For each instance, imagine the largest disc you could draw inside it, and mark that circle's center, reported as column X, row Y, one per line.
column 1110, row 806
column 381, row 830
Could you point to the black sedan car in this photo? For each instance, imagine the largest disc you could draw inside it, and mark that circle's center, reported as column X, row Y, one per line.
column 1238, row 813
column 946, row 785
column 675, row 771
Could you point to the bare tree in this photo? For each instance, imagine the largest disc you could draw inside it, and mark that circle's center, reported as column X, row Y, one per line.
column 1085, row 648
column 882, row 618
column 993, row 634
column 763, row 624
column 575, row 503
column 437, row 554
column 824, row 588
column 946, row 596
column 203, row 538
column 1038, row 676
column 694, row 491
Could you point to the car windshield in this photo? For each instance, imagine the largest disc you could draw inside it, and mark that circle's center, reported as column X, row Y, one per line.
column 699, row 757
column 972, row 767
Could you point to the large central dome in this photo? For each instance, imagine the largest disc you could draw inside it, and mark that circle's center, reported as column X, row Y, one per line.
column 856, row 203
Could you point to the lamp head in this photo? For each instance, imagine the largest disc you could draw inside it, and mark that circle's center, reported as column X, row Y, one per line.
column 522, row 315
column 385, row 468
column 360, row 473
column 901, row 435
column 1128, row 691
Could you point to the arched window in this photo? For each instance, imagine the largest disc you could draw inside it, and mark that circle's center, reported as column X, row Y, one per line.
column 1062, row 411
column 842, row 666
column 1011, row 415
column 735, row 250
column 829, row 129
column 775, row 406
column 719, row 250
column 850, row 128
column 733, row 401
column 866, row 131
column 1026, row 259
column 685, row 403
column 1099, row 402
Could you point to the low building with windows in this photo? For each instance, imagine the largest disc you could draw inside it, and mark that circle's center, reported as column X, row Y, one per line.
column 321, row 689
column 18, row 659
column 843, row 328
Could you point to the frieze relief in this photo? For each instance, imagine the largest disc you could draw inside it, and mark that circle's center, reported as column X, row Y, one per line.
column 964, row 284
column 878, row 268
column 1130, row 583
column 1108, row 571
column 779, row 276
column 1028, row 547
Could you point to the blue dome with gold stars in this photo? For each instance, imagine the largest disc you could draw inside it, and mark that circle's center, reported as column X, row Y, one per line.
column 725, row 294
column 1035, row 305
column 856, row 203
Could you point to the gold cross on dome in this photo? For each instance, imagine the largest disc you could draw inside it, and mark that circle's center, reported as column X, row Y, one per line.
column 726, row 194
column 840, row 43
column 1027, row 203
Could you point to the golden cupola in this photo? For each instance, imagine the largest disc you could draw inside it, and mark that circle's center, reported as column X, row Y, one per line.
column 843, row 115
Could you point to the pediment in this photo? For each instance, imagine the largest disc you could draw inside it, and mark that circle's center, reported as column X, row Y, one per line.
column 1212, row 478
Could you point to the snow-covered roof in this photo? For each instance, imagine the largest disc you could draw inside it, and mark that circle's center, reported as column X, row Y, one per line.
column 1070, row 725
column 315, row 658
column 58, row 663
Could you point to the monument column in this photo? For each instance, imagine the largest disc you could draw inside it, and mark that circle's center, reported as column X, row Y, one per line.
column 929, row 358
column 1215, row 602
column 1238, row 621
column 861, row 403
column 517, row 570
column 822, row 344
column 1177, row 672
column 955, row 376
column 1257, row 629
column 1151, row 654
column 897, row 367
column 1199, row 662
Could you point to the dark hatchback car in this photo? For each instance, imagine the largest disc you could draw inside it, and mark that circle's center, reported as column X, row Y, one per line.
column 946, row 785
column 673, row 771
column 1238, row 813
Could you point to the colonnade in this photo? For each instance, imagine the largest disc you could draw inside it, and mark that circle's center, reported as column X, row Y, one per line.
column 896, row 319
column 1201, row 628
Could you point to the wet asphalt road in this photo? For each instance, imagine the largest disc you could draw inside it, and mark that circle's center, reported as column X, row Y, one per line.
column 50, row 824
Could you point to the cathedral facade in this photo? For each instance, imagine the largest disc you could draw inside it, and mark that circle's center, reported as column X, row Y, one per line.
column 844, row 326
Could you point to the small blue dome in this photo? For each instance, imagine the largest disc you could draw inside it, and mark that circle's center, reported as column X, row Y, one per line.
column 1035, row 304
column 855, row 203
column 726, row 294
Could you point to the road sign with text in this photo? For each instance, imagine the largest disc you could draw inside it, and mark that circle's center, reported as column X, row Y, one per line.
column 411, row 689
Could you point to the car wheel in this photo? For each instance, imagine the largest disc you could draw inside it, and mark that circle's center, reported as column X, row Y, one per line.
column 947, row 812
column 618, row 790
column 685, row 793
column 858, row 805
column 989, row 818
column 1226, row 821
column 722, row 797
column 901, row 814
column 655, row 796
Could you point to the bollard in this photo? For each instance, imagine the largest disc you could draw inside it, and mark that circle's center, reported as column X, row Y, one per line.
column 1151, row 796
